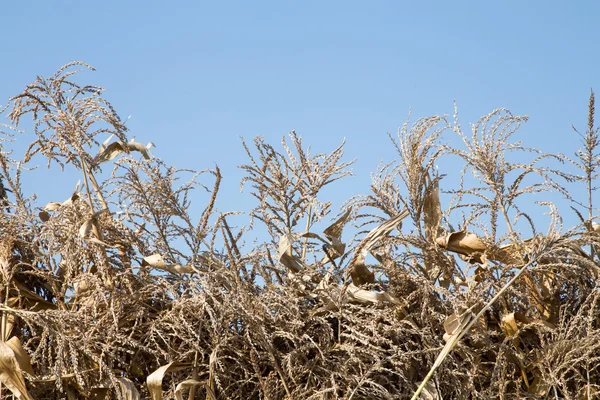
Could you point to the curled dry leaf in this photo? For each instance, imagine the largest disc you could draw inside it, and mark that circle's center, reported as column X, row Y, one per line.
column 55, row 206
column 128, row 390
column 330, row 294
column 154, row 380
column 334, row 234
column 157, row 261
column 462, row 242
column 510, row 323
column 454, row 324
column 10, row 373
column 189, row 383
column 286, row 256
column 367, row 296
column 86, row 228
column 472, row 249
column 52, row 206
column 109, row 152
column 98, row 241
column 360, row 273
column 21, row 355
column 285, row 251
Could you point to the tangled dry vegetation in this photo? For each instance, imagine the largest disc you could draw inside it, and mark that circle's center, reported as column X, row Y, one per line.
column 116, row 292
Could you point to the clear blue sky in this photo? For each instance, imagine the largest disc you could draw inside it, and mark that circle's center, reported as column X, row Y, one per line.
column 197, row 75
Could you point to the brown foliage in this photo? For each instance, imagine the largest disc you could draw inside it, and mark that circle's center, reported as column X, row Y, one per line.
column 116, row 292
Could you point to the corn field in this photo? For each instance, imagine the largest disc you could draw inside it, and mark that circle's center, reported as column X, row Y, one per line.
column 416, row 289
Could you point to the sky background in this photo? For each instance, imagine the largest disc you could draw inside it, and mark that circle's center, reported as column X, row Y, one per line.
column 195, row 76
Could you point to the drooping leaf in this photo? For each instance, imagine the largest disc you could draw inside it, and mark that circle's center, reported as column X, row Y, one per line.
column 360, row 272
column 157, row 261
column 154, row 380
column 10, row 373
column 111, row 151
column 464, row 243
column 21, row 355
column 189, row 383
column 334, row 234
column 510, row 323
column 285, row 251
column 128, row 389
column 454, row 324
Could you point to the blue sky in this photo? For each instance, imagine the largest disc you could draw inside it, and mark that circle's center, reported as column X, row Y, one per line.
column 197, row 75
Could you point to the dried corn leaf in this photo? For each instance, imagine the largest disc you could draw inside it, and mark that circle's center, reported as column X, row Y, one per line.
column 157, row 261
column 334, row 234
column 451, row 323
column 286, row 257
column 98, row 241
column 21, row 355
column 154, row 380
column 137, row 146
column 86, row 228
column 53, row 206
column 510, row 323
column 472, row 249
column 8, row 319
column 189, row 383
column 454, row 324
column 34, row 301
column 360, row 273
column 335, row 230
column 10, row 373
column 285, row 251
column 109, row 152
column 367, row 296
column 462, row 242
column 128, row 390
column 178, row 269
column 330, row 295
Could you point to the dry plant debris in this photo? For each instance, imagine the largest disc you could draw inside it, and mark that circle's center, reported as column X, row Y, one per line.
column 444, row 292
